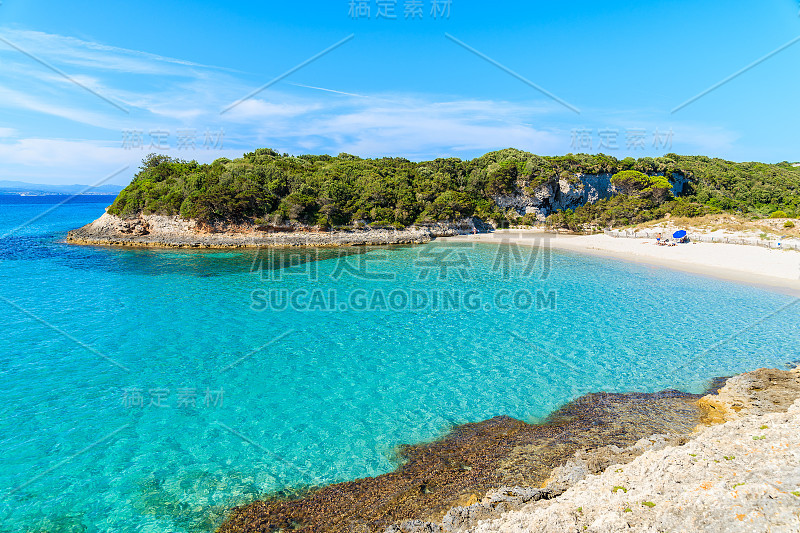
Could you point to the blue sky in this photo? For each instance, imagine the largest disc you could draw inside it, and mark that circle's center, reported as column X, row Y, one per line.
column 86, row 90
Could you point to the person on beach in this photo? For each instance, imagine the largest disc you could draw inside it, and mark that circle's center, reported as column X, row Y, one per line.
column 658, row 239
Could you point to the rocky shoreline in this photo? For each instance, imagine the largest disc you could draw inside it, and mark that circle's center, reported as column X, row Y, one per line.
column 651, row 462
column 175, row 232
column 738, row 471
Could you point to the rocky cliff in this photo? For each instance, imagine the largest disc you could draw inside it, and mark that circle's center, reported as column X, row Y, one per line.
column 567, row 193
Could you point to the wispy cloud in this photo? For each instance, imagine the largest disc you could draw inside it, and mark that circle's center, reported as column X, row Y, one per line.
column 255, row 110
column 71, row 51
column 148, row 85
column 68, row 129
column 81, row 160
column 19, row 100
column 334, row 91
column 416, row 127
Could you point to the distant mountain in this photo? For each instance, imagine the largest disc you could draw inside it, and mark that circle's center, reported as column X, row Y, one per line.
column 20, row 187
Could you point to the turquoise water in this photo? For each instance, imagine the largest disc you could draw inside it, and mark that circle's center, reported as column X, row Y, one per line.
column 147, row 390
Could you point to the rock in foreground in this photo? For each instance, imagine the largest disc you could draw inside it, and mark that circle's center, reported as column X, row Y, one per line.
column 743, row 475
column 460, row 468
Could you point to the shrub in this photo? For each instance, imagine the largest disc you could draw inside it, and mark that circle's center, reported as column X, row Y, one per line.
column 451, row 205
column 788, row 224
column 342, row 190
column 503, row 180
column 778, row 214
column 635, row 183
column 630, row 181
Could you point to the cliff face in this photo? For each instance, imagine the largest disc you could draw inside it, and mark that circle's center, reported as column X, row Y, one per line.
column 565, row 194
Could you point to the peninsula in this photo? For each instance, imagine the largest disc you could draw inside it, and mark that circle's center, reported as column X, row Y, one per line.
column 269, row 199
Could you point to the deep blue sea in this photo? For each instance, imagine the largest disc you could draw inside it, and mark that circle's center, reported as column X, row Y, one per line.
column 151, row 390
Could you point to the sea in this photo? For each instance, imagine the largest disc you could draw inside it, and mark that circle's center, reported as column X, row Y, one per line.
column 152, row 390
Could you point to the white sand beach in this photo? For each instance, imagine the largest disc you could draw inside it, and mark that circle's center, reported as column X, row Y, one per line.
column 773, row 269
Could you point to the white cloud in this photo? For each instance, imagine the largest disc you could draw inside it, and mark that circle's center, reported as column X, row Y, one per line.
column 60, row 154
column 170, row 94
column 192, row 95
column 83, row 161
column 63, row 72
column 706, row 139
column 254, row 110
column 71, row 51
column 414, row 127
column 19, row 100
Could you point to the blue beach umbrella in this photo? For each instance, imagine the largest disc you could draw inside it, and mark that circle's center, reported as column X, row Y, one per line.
column 680, row 234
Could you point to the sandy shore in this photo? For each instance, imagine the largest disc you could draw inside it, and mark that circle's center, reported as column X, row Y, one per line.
column 771, row 268
column 774, row 269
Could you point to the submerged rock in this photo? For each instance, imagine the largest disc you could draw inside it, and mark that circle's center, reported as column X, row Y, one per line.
column 603, row 463
column 464, row 467
column 743, row 475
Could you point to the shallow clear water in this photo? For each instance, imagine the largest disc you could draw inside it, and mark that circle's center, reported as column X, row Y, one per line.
column 255, row 399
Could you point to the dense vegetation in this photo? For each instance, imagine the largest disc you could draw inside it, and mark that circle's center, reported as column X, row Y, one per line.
column 714, row 185
column 271, row 188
